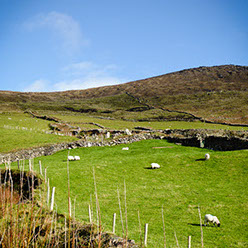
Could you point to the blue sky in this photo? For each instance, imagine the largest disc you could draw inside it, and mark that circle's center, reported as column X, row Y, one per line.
column 55, row 45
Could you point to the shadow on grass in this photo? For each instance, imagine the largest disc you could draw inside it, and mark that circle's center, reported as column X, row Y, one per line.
column 149, row 168
column 194, row 224
column 200, row 159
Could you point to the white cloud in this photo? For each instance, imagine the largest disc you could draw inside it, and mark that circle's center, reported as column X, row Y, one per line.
column 88, row 68
column 65, row 28
column 86, row 83
column 78, row 68
column 78, row 76
column 86, row 75
column 37, row 86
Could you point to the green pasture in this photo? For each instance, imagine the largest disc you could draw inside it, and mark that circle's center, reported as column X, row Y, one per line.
column 21, row 131
column 19, row 119
column 81, row 119
column 184, row 182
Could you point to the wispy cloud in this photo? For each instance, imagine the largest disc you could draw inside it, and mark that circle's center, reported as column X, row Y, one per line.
column 63, row 26
column 37, row 86
column 78, row 76
column 89, row 69
column 85, row 83
column 88, row 75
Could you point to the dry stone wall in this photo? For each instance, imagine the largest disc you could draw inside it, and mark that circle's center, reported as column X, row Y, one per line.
column 49, row 150
column 221, row 140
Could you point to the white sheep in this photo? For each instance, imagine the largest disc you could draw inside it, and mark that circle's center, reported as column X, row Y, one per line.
column 76, row 158
column 212, row 219
column 155, row 166
column 70, row 158
column 125, row 148
column 207, row 156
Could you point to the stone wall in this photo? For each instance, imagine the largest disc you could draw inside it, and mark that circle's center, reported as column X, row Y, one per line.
column 49, row 150
column 221, row 140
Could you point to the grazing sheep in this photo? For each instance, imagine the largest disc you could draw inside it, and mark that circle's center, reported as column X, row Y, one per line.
column 211, row 218
column 76, row 158
column 155, row 166
column 125, row 148
column 70, row 158
column 207, row 156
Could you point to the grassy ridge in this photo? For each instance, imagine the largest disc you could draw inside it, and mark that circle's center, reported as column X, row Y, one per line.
column 184, row 181
column 217, row 93
column 21, row 131
column 79, row 119
column 234, row 105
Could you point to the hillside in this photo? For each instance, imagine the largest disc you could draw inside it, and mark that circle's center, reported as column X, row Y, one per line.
column 217, row 93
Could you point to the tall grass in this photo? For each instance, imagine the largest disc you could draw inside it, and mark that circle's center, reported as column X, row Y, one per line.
column 25, row 220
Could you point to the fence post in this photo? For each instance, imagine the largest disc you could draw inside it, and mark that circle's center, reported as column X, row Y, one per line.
column 40, row 168
column 199, row 211
column 45, row 175
column 52, row 200
column 189, row 242
column 90, row 217
column 114, row 219
column 48, row 192
column 30, row 164
column 146, row 233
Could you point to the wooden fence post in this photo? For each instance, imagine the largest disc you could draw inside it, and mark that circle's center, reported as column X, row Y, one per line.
column 30, row 164
column 40, row 168
column 90, row 217
column 45, row 175
column 48, row 192
column 52, row 200
column 146, row 233
column 189, row 242
column 114, row 220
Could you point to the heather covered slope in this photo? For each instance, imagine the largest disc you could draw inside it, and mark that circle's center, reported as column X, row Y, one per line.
column 217, row 93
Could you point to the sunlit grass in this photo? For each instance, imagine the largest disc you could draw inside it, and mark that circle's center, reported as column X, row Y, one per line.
column 21, row 131
column 219, row 186
column 79, row 119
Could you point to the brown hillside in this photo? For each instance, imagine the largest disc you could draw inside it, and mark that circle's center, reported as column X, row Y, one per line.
column 216, row 93
column 190, row 81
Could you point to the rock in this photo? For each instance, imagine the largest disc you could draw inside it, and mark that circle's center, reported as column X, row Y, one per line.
column 128, row 132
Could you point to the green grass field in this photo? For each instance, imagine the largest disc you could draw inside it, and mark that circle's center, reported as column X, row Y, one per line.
column 21, row 131
column 79, row 119
column 219, row 186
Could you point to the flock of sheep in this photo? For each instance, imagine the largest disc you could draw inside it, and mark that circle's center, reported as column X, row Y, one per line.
column 71, row 158
column 208, row 217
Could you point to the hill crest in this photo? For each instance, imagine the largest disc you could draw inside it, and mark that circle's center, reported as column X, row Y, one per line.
column 215, row 93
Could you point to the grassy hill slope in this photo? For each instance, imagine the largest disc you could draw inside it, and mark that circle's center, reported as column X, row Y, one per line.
column 217, row 93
